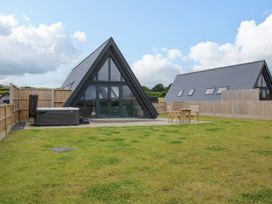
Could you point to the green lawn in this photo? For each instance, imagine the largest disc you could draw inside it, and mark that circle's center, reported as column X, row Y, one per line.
column 227, row 161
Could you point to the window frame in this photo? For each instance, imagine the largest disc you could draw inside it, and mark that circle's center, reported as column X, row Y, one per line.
column 219, row 93
column 69, row 85
column 189, row 92
column 209, row 89
column 180, row 93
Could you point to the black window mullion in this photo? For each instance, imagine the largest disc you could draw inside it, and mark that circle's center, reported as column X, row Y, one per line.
column 120, row 100
column 109, row 66
column 97, row 101
column 109, row 100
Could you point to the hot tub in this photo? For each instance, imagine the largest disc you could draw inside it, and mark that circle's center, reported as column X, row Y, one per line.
column 57, row 116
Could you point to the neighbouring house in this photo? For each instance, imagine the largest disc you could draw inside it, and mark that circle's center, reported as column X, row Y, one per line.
column 4, row 98
column 208, row 85
column 103, row 85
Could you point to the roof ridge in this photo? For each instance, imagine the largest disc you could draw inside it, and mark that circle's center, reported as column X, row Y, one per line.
column 108, row 40
column 225, row 67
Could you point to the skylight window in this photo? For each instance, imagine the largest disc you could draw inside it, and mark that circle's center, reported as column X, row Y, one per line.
column 209, row 91
column 191, row 92
column 180, row 93
column 69, row 86
column 221, row 89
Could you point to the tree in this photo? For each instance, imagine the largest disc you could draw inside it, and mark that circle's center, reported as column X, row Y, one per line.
column 158, row 88
column 145, row 88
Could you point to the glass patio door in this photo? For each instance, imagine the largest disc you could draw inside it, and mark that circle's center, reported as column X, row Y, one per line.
column 108, row 101
column 103, row 101
column 115, row 101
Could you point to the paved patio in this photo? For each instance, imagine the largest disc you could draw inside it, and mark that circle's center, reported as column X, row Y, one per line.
column 119, row 122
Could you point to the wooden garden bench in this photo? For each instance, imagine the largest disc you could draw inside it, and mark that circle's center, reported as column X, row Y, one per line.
column 174, row 115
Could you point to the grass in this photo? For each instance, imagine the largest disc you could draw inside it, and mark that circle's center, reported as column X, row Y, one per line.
column 227, row 161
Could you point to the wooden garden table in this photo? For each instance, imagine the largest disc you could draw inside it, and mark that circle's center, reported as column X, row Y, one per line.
column 184, row 112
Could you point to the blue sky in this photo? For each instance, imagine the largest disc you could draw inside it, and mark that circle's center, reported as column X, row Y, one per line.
column 140, row 28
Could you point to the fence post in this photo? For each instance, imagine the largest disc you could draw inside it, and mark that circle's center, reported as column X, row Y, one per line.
column 52, row 97
column 232, row 108
column 238, row 107
column 18, row 106
column 6, row 128
column 11, row 97
column 254, row 103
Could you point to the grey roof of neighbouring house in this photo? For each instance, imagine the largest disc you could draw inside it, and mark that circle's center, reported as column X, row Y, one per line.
column 241, row 76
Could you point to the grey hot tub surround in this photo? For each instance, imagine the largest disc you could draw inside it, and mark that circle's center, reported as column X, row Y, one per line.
column 57, row 116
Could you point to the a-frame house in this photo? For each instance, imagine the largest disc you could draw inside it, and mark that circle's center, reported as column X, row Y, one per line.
column 103, row 85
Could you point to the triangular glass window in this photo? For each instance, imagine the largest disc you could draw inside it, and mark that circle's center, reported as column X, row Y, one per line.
column 264, row 83
column 115, row 74
column 103, row 74
column 261, row 81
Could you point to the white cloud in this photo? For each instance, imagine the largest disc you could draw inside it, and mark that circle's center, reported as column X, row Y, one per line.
column 80, row 36
column 29, row 50
column 253, row 42
column 51, row 79
column 174, row 53
column 6, row 24
column 157, row 68
column 37, row 55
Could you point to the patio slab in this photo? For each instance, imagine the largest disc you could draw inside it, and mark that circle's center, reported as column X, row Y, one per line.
column 117, row 122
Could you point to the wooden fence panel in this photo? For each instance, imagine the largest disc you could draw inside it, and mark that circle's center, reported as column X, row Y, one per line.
column 235, row 109
column 47, row 98
column 228, row 108
column 160, row 107
column 241, row 95
column 60, row 97
column 6, row 119
column 263, row 109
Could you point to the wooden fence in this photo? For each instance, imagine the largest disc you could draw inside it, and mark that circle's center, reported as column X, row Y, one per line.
column 240, row 95
column 8, row 116
column 235, row 104
column 160, row 107
column 47, row 98
column 17, row 110
column 234, row 109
